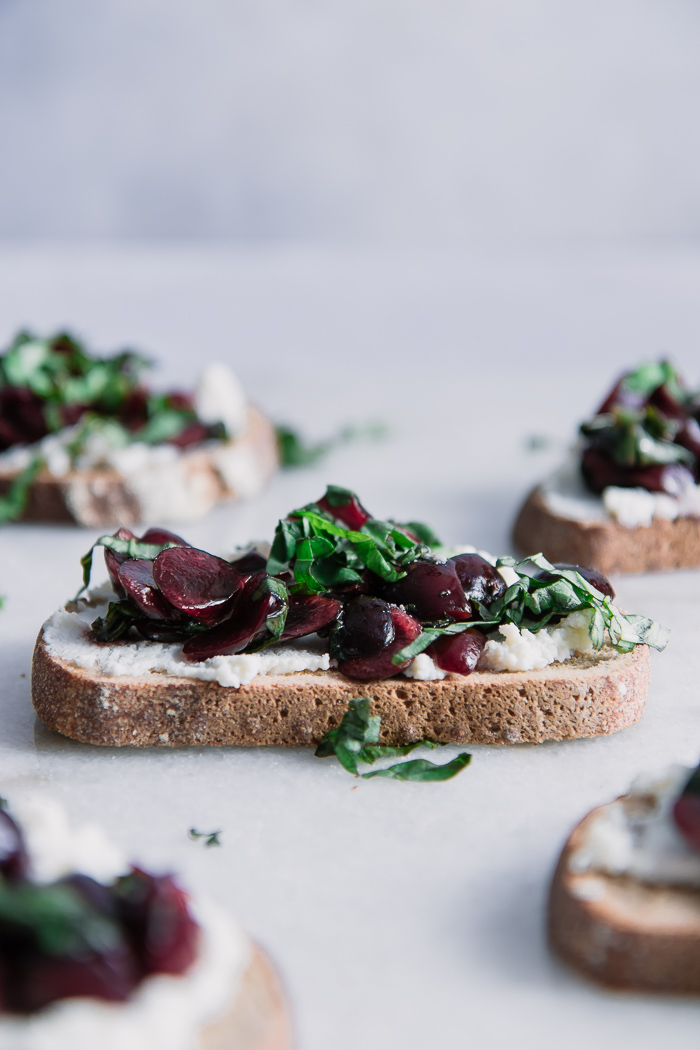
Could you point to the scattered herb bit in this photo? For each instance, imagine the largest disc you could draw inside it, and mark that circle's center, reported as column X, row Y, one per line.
column 531, row 603
column 295, row 452
column 211, row 838
column 14, row 502
column 356, row 740
column 3, row 803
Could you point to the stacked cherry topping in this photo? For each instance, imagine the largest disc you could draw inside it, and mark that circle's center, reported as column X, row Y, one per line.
column 373, row 589
column 78, row 937
column 644, row 435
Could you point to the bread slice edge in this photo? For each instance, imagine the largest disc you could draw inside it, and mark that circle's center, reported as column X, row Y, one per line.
column 583, row 698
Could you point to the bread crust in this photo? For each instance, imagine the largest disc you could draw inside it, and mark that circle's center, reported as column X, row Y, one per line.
column 634, row 936
column 258, row 1018
column 98, row 498
column 606, row 545
column 584, row 697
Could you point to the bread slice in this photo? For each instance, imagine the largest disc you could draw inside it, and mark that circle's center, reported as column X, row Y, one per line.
column 586, row 696
column 98, row 498
column 607, row 545
column 621, row 932
column 258, row 1018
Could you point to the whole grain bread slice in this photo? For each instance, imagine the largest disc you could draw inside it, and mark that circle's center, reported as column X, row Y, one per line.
column 607, row 545
column 586, row 696
column 621, row 932
column 258, row 1018
column 98, row 498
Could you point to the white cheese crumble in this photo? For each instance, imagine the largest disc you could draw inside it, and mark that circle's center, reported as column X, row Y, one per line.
column 67, row 637
column 642, row 840
column 165, row 1012
column 565, row 494
column 523, row 650
column 220, row 398
column 424, row 669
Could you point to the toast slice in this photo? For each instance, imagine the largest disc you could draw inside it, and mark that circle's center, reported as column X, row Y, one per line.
column 204, row 476
column 589, row 695
column 258, row 1018
column 607, row 545
column 621, row 932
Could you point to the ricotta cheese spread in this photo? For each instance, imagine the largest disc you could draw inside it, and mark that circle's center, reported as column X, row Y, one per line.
column 166, row 1012
column 67, row 636
column 565, row 494
column 638, row 836
column 521, row 650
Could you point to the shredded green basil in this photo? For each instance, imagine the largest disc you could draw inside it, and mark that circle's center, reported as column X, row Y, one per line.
column 356, row 740
column 14, row 503
column 322, row 554
column 211, row 838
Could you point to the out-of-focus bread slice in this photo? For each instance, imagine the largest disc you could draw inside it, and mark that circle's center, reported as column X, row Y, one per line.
column 98, row 498
column 606, row 545
column 586, row 696
column 258, row 1018
column 621, row 932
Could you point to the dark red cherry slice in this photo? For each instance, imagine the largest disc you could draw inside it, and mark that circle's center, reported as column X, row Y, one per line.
column 39, row 979
column 252, row 609
column 599, row 472
column 667, row 403
column 13, row 855
column 458, row 653
column 364, row 629
column 597, row 579
column 309, row 613
column 161, row 536
column 406, row 630
column 686, row 814
column 480, row 581
column 429, row 591
column 136, row 578
column 352, row 514
column 155, row 912
column 113, row 560
column 250, row 562
column 197, row 583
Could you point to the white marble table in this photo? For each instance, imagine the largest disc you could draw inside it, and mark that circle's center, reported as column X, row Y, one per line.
column 400, row 915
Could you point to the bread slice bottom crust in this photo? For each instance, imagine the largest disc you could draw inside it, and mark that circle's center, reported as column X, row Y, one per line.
column 632, row 935
column 606, row 545
column 258, row 1018
column 99, row 498
column 584, row 697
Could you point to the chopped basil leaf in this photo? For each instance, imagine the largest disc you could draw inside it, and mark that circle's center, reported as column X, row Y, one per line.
column 211, row 838
column 424, row 533
column 355, row 740
column 118, row 621
column 60, row 919
column 295, row 452
column 14, row 502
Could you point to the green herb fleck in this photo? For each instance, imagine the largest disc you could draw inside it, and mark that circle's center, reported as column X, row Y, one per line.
column 14, row 502
column 296, row 452
column 356, row 740
column 211, row 838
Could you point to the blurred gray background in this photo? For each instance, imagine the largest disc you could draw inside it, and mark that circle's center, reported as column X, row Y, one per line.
column 373, row 120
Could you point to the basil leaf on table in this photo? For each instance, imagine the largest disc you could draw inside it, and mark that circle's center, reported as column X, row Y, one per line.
column 356, row 740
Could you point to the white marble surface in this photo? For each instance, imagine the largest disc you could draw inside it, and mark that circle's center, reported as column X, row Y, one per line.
column 399, row 914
